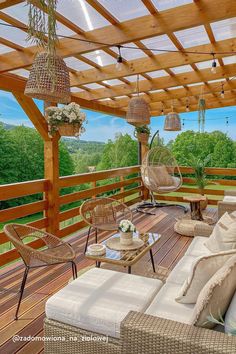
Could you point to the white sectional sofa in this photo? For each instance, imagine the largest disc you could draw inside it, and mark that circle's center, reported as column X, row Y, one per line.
column 99, row 301
column 228, row 204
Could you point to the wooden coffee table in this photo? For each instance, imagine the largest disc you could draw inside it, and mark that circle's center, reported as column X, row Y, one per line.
column 128, row 258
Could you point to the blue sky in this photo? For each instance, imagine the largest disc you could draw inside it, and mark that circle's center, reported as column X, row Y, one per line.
column 102, row 127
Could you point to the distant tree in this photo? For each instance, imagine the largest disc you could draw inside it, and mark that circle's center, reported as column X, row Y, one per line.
column 121, row 152
column 8, row 157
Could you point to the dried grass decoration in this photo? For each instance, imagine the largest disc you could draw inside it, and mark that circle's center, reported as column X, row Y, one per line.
column 67, row 120
column 49, row 77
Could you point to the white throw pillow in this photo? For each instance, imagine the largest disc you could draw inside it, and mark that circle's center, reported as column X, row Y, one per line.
column 201, row 271
column 230, row 317
column 223, row 236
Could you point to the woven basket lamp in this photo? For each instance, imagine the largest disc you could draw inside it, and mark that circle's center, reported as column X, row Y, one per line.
column 138, row 112
column 172, row 122
column 40, row 84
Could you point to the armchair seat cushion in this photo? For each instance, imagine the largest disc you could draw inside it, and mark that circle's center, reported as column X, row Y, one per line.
column 229, row 198
column 197, row 247
column 165, row 306
column 100, row 299
column 181, row 271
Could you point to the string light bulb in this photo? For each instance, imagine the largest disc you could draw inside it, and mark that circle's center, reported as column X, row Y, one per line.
column 213, row 65
column 222, row 94
column 187, row 105
column 119, row 59
column 162, row 112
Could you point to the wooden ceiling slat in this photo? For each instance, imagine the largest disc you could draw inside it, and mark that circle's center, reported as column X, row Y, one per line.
column 163, row 82
column 129, row 31
column 10, row 44
column 7, row 3
column 103, row 11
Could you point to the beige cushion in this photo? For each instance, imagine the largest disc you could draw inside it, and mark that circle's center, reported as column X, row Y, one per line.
column 230, row 316
column 181, row 271
column 197, row 247
column 165, row 306
column 216, row 295
column 201, row 271
column 229, row 198
column 162, row 176
column 223, row 236
column 100, row 299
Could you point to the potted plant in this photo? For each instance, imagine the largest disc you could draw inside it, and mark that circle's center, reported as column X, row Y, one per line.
column 199, row 166
column 142, row 133
column 126, row 229
column 67, row 120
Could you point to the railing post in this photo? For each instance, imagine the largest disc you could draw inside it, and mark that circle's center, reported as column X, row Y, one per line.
column 51, row 173
column 144, row 150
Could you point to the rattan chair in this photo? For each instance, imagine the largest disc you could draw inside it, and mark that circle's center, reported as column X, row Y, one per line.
column 160, row 174
column 54, row 251
column 103, row 214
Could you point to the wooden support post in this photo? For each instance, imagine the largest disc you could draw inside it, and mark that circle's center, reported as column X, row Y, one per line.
column 51, row 173
column 144, row 150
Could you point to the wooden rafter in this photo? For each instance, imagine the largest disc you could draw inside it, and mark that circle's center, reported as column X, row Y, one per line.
column 179, row 18
column 161, row 83
column 7, row 3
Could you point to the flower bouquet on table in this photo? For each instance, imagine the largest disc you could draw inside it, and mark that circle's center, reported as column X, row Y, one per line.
column 126, row 229
column 67, row 120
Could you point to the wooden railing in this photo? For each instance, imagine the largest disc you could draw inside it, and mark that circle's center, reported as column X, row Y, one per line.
column 123, row 184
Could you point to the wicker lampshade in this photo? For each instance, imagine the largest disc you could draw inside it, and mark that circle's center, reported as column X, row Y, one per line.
column 172, row 122
column 40, row 84
column 138, row 111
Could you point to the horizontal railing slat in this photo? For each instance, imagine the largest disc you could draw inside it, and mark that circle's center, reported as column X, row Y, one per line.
column 16, row 190
column 22, row 210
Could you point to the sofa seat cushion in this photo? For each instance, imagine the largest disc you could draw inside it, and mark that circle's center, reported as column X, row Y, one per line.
column 100, row 299
column 229, row 198
column 165, row 306
column 181, row 271
column 197, row 247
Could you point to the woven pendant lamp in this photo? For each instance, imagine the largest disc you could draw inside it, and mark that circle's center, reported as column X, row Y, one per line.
column 172, row 121
column 138, row 112
column 54, row 87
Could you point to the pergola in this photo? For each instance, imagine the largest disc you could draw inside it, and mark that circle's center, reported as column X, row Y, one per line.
column 187, row 31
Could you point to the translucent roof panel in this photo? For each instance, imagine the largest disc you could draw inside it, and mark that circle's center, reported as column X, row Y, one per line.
column 76, row 89
column 21, row 72
column 77, row 64
column 4, row 49
column 181, row 69
column 125, row 10
column 156, row 91
column 14, row 35
column 82, row 14
column 206, row 64
column 93, row 86
column 20, row 12
column 158, row 73
column 175, row 87
column 129, row 53
column 132, row 78
column 192, row 36
column 113, row 82
column 100, row 57
column 217, row 80
column 169, row 4
column 159, row 42
column 195, row 84
column 230, row 60
column 224, row 29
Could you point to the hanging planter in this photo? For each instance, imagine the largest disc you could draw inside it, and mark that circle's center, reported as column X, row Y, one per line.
column 138, row 112
column 142, row 133
column 201, row 114
column 172, row 122
column 49, row 77
column 68, row 120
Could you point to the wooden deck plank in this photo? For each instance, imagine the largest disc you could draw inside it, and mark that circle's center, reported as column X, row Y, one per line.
column 43, row 283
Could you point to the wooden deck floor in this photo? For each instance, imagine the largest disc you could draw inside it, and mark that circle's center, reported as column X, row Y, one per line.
column 42, row 283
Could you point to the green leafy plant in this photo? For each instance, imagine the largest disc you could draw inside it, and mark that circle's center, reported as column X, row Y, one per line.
column 144, row 129
column 199, row 166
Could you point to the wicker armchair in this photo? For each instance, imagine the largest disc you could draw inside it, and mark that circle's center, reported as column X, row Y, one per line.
column 227, row 205
column 55, row 251
column 103, row 214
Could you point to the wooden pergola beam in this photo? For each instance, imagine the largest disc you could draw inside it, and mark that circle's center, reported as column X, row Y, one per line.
column 13, row 83
column 179, row 93
column 7, row 3
column 180, row 18
column 33, row 113
column 210, row 105
column 157, row 62
column 160, row 83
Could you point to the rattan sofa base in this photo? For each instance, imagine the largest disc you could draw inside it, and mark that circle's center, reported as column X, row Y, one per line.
column 61, row 338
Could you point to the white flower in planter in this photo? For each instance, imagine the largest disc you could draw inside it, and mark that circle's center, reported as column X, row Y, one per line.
column 126, row 226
